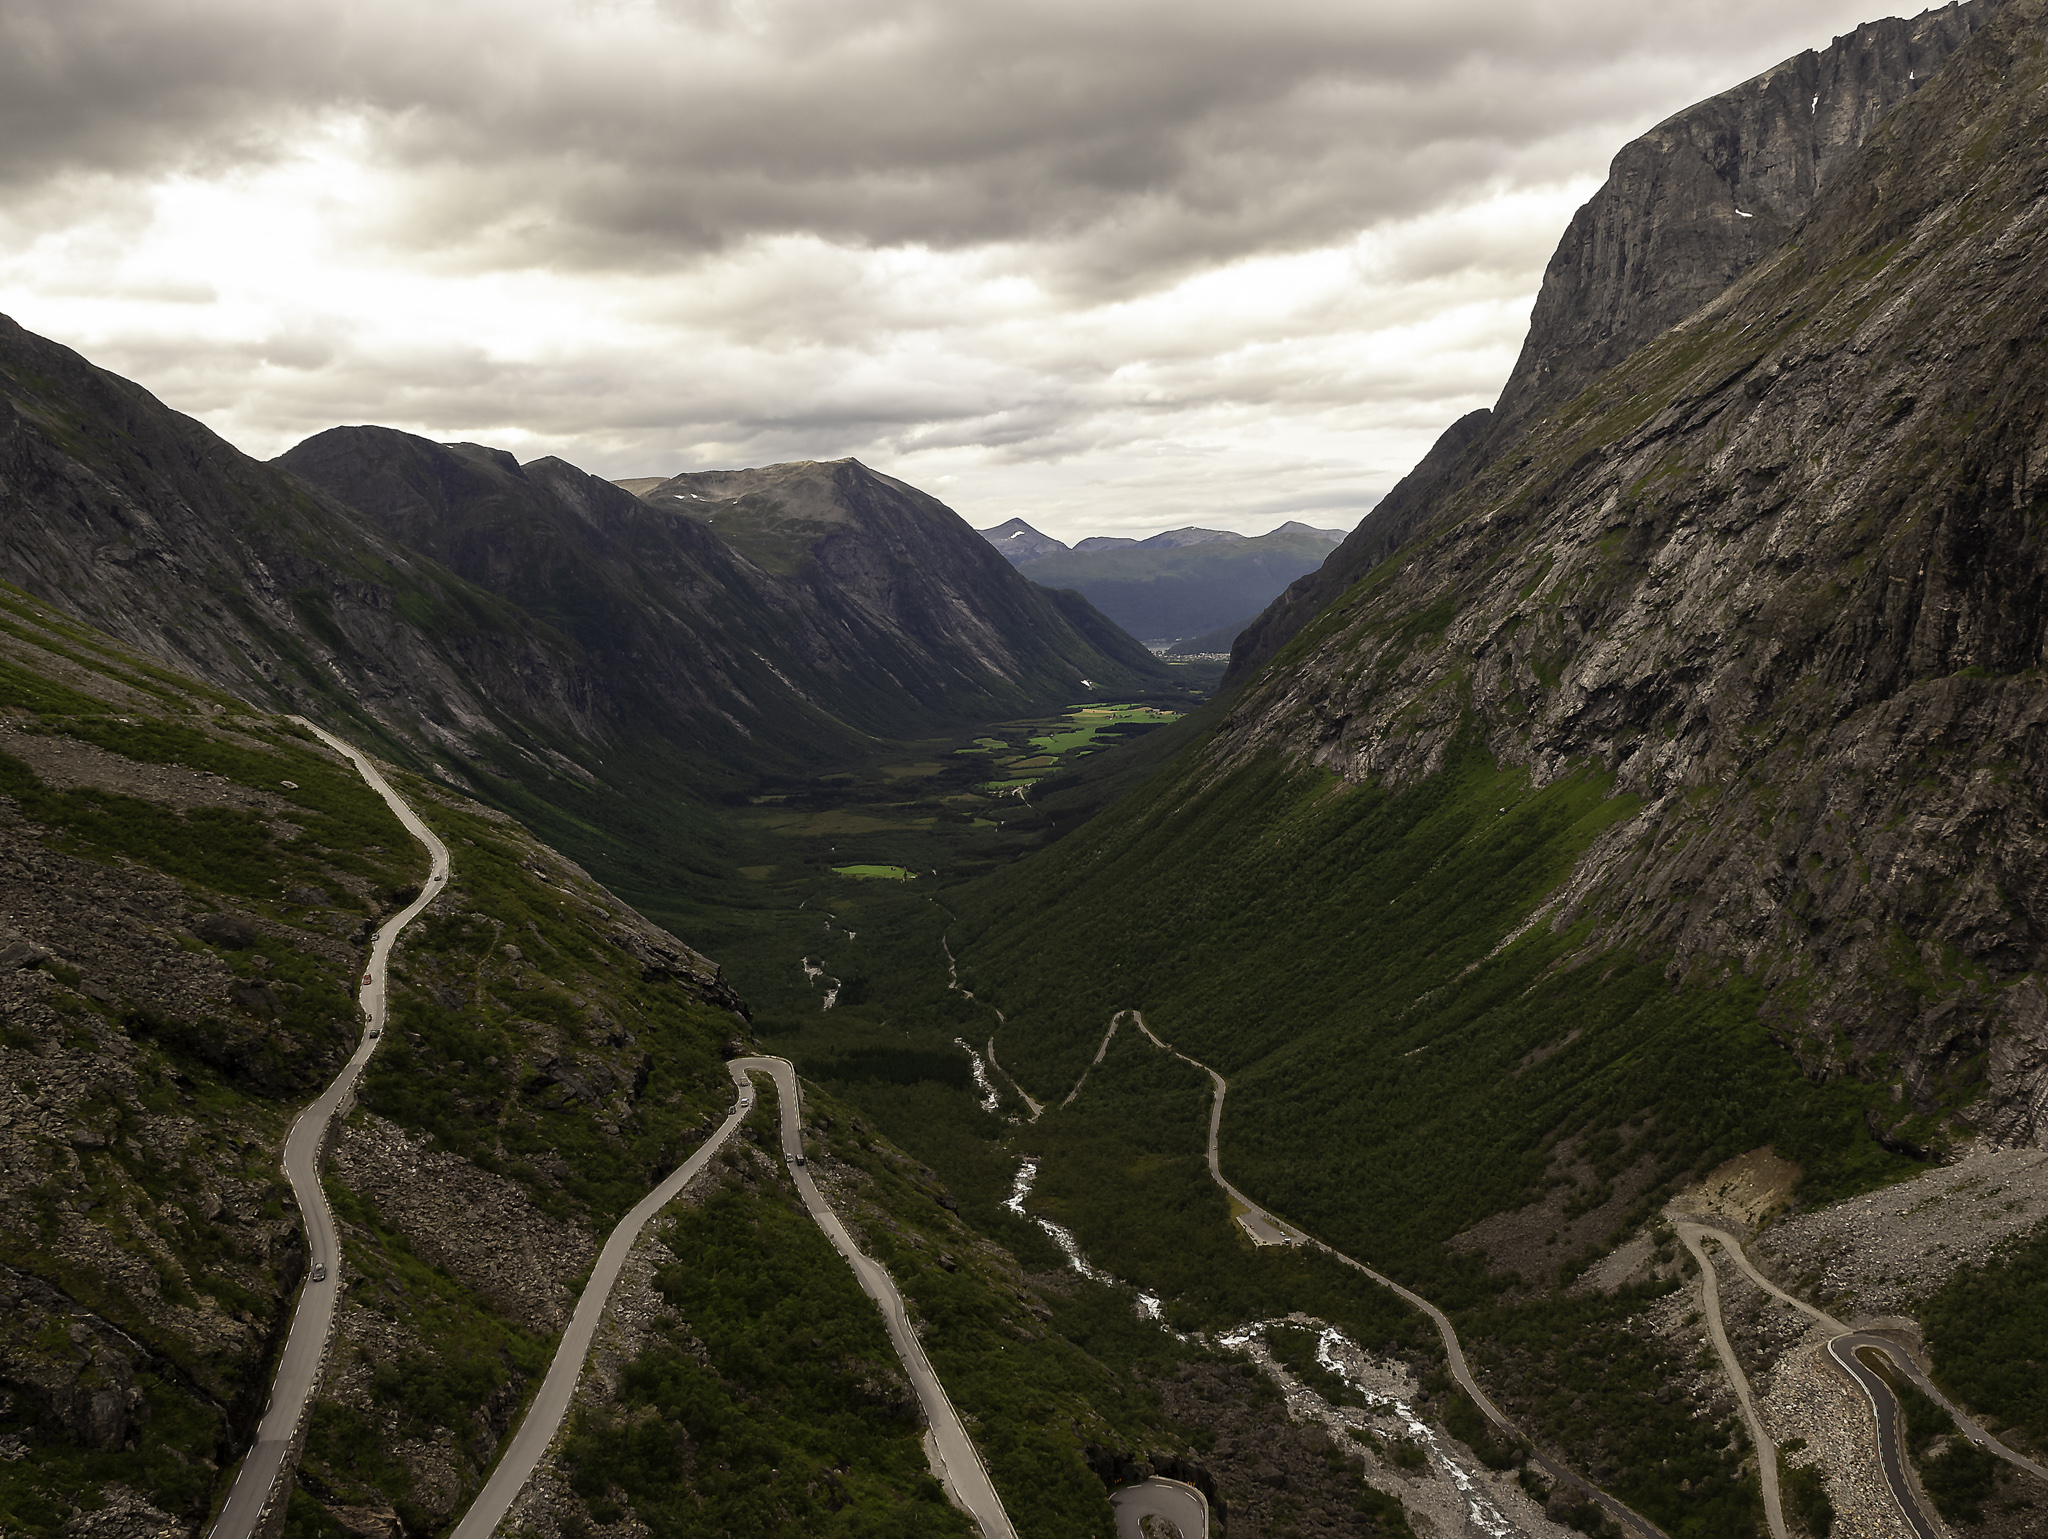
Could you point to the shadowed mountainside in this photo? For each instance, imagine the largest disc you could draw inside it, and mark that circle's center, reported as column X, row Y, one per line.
column 1684, row 771
column 1184, row 582
column 1686, row 210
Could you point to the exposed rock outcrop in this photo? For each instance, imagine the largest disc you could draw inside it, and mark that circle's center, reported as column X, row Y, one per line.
column 1710, row 192
column 1782, row 572
column 1685, row 211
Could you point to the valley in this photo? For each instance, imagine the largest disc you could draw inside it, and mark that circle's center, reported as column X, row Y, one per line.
column 714, row 1004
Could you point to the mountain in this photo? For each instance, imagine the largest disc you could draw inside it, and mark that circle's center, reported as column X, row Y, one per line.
column 770, row 638
column 189, row 887
column 1017, row 540
column 1181, row 539
column 1676, row 793
column 603, row 666
column 141, row 522
column 1686, row 210
column 1184, row 582
column 912, row 598
column 1768, row 593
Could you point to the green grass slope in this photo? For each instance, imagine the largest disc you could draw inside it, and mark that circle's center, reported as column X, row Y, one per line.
column 1404, row 1050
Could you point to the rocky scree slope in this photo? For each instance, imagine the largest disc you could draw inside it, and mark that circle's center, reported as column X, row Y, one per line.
column 187, row 888
column 1686, row 210
column 1782, row 573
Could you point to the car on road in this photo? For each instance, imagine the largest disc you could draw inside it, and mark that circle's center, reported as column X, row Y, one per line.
column 319, row 1271
column 797, row 1159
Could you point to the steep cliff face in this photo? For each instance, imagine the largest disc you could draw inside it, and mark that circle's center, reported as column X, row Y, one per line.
column 908, row 599
column 143, row 523
column 1686, row 210
column 1709, row 192
column 1783, row 574
column 1378, row 535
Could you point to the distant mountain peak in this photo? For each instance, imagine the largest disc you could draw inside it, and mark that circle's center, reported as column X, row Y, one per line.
column 1020, row 542
column 1180, row 539
column 1296, row 526
column 501, row 458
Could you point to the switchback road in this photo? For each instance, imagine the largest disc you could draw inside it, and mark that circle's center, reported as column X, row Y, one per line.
column 1265, row 1229
column 543, row 1418
column 261, row 1476
column 961, row 1468
column 959, row 1465
column 1176, row 1501
column 1766, row 1449
column 1884, row 1407
column 1842, row 1348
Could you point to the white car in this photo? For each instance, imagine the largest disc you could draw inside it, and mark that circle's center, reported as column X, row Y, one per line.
column 319, row 1271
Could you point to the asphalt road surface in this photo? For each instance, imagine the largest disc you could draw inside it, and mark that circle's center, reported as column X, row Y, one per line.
column 1883, row 1404
column 305, row 1346
column 543, row 1417
column 959, row 1466
column 961, row 1469
column 1258, row 1223
column 1766, row 1450
column 1180, row 1504
column 1890, row 1446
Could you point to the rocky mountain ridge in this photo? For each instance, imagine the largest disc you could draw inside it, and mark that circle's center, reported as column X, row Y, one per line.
column 703, row 644
column 886, row 595
column 1686, row 209
column 1780, row 575
column 533, row 635
column 1182, row 582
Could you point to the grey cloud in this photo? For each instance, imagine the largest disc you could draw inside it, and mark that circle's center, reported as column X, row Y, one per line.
column 1131, row 142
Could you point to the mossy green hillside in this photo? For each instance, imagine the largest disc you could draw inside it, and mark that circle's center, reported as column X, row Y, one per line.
column 1987, row 1328
column 451, row 1380
column 1362, row 966
column 199, row 878
column 525, row 968
column 769, row 1401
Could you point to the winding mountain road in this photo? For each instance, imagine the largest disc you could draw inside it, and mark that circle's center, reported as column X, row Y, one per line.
column 550, row 1405
column 1265, row 1229
column 1766, row 1450
column 956, row 1462
column 261, row 1477
column 1156, row 1497
column 1884, row 1407
column 960, row 1466
column 1843, row 1345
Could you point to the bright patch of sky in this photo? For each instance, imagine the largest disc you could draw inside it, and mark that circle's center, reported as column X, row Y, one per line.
column 1108, row 268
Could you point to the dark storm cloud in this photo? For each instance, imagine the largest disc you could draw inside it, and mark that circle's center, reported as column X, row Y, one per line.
column 1132, row 141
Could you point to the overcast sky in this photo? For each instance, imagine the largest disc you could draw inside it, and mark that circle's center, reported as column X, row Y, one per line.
column 1110, row 265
